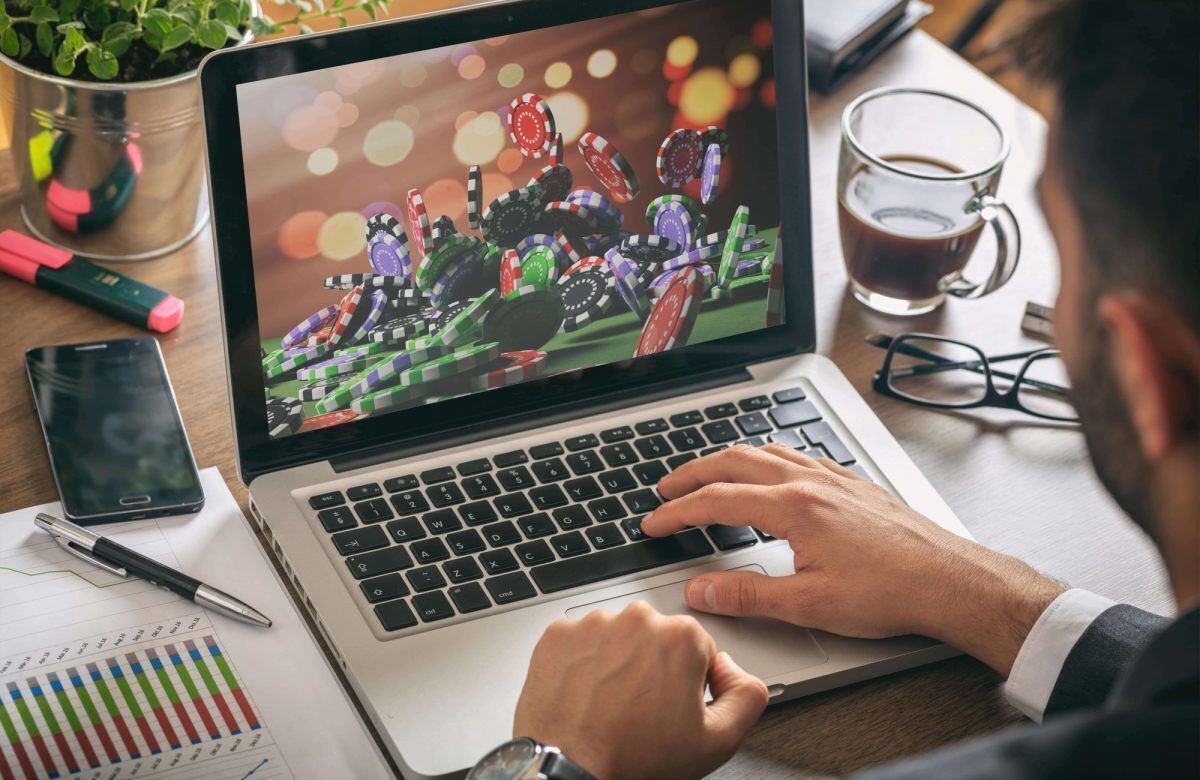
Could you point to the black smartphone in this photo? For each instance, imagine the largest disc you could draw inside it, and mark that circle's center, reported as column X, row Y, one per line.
column 116, row 441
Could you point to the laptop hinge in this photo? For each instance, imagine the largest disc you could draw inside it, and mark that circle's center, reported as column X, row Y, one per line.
column 535, row 419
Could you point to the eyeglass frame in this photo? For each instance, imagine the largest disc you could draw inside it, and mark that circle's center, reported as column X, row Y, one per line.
column 992, row 398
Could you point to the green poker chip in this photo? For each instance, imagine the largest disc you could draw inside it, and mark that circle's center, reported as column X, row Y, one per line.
column 539, row 267
column 527, row 318
column 288, row 363
column 737, row 288
column 350, row 366
column 450, row 249
column 735, row 241
column 465, row 326
column 388, row 398
column 454, row 364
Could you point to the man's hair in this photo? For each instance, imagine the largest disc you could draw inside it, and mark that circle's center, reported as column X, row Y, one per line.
column 1126, row 76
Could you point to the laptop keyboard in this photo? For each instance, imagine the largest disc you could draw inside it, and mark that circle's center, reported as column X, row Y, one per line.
column 489, row 532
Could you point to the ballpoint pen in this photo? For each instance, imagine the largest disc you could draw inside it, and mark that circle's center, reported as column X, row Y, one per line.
column 123, row 562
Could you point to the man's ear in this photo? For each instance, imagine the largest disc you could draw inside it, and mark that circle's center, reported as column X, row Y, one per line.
column 1156, row 357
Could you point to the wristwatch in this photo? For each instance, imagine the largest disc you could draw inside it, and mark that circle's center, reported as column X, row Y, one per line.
column 526, row 759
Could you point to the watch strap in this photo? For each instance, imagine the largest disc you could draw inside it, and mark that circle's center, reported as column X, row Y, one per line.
column 558, row 767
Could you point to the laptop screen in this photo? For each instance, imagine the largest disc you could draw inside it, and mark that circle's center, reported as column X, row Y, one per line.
column 451, row 221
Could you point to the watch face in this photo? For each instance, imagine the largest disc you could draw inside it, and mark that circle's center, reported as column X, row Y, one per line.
column 507, row 762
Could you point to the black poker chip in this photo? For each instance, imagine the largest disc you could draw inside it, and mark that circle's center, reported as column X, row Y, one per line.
column 586, row 297
column 556, row 180
column 398, row 329
column 645, row 250
column 449, row 312
column 513, row 215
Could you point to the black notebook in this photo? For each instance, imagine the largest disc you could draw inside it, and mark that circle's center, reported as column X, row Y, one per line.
column 844, row 35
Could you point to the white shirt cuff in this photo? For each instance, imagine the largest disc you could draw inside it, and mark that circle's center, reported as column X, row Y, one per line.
column 1045, row 650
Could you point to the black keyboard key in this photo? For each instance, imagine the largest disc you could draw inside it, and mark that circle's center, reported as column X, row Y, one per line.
column 584, row 462
column 686, row 439
column 442, row 521
column 608, row 508
column 754, row 403
column 517, row 478
column 433, row 476
column 543, row 451
column 395, row 615
column 337, row 519
column 765, row 537
column 360, row 540
column 788, row 437
column 379, row 562
column 385, row 588
column 533, row 553
column 632, row 526
column 793, row 414
column 432, row 606
column 465, row 542
column 647, row 427
column 604, row 536
column 547, row 496
column 410, row 502
column 480, row 486
column 753, row 441
column 719, row 431
column 473, row 467
column 429, row 551
column 753, row 423
column 447, row 494
column 583, row 488
column 462, row 570
column 373, row 511
column 469, row 597
column 406, row 529
column 789, row 395
column 713, row 450
column 642, row 501
column 585, row 442
column 617, row 481
column 326, row 500
column 497, row 561
column 675, row 461
column 571, row 517
column 400, row 484
column 731, row 537
column 535, row 526
column 569, row 545
column 720, row 410
column 501, row 534
column 684, row 419
column 425, row 578
column 363, row 492
column 510, row 588
column 513, row 505
column 551, row 470
column 653, row 447
column 815, row 451
column 509, row 459
column 821, row 433
column 613, row 435
column 650, row 473
column 477, row 513
column 618, row 561
column 620, row 454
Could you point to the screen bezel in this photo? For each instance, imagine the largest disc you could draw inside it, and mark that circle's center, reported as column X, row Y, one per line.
column 163, row 501
column 223, row 71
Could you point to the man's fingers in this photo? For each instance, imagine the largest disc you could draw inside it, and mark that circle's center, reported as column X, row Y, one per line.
column 742, row 594
column 739, row 698
column 746, row 465
column 720, row 503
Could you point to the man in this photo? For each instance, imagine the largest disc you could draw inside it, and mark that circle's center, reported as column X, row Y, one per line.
column 623, row 695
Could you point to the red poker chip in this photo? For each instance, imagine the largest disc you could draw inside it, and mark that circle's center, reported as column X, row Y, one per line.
column 607, row 163
column 531, row 125
column 515, row 367
column 420, row 229
column 510, row 271
column 320, row 337
column 556, row 150
column 674, row 315
column 680, row 157
column 328, row 420
column 345, row 314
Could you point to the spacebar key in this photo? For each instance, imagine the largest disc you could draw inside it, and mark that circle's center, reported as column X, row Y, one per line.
column 618, row 561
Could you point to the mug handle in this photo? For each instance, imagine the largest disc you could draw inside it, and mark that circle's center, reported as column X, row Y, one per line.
column 1008, row 250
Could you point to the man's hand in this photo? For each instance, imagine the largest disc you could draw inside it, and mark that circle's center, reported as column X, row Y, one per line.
column 866, row 564
column 623, row 695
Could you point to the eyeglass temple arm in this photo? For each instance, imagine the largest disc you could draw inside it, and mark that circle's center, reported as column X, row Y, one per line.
column 945, row 364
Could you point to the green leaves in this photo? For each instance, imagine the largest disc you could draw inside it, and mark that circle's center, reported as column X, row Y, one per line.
column 43, row 13
column 101, row 63
column 211, row 34
column 10, row 44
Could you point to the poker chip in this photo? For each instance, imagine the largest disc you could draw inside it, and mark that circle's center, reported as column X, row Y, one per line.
column 609, row 166
column 346, row 310
column 516, row 367
column 629, row 286
column 388, row 398
column 465, row 326
column 715, row 135
column 316, row 390
column 679, row 157
column 320, row 337
column 510, row 271
column 309, row 325
column 293, row 359
column 382, row 223
column 606, row 214
column 710, row 173
column 366, row 281
column 583, row 265
column 660, row 283
column 650, row 249
column 748, row 268
column 566, row 252
column 387, row 247
column 555, row 180
column 457, row 278
column 284, row 416
column 447, row 313
column 673, row 221
column 587, row 296
column 732, row 248
column 526, row 318
column 382, row 374
column 531, row 125
column 399, row 329
column 404, row 300
column 420, row 230
column 335, row 367
column 674, row 315
column 365, row 319
column 327, row 420
column 513, row 215
column 527, row 244
column 694, row 208
column 775, row 313
column 600, row 243
column 451, row 365
column 556, row 149
column 442, row 227
column 451, row 248
column 539, row 267
column 570, row 218
column 696, row 256
column 474, row 196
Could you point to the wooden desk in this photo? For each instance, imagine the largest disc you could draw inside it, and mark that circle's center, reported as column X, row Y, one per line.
column 1025, row 489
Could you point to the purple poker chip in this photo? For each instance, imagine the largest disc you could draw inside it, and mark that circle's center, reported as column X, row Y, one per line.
column 389, row 255
column 710, row 173
column 673, row 221
column 606, row 214
column 455, row 281
column 629, row 285
column 310, row 325
column 693, row 257
column 663, row 280
column 747, row 268
column 375, row 310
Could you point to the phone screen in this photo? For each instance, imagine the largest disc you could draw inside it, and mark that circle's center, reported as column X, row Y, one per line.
column 116, row 440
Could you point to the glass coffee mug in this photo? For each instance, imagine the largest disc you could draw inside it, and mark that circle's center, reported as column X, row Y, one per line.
column 917, row 178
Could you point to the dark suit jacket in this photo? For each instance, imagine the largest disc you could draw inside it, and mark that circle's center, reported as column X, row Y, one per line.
column 1126, row 705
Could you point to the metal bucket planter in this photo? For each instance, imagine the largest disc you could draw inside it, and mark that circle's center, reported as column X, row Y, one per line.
column 110, row 171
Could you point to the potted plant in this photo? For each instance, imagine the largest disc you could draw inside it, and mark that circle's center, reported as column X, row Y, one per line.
column 101, row 112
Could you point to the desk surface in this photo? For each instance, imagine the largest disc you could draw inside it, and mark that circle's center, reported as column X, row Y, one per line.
column 1059, row 519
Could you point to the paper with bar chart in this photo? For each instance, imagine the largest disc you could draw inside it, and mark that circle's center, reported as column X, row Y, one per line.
column 108, row 678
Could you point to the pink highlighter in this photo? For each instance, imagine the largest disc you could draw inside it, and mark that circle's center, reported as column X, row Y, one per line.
column 73, row 277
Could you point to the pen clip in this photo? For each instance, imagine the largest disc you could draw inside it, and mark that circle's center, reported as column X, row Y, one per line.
column 78, row 553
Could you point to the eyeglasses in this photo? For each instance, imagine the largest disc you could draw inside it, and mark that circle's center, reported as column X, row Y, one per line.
column 942, row 373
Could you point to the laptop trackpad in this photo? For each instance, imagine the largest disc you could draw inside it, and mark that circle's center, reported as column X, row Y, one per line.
column 765, row 648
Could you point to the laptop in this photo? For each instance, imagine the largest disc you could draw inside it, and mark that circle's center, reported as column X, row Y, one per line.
column 444, row 465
